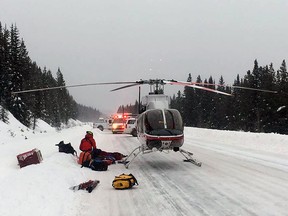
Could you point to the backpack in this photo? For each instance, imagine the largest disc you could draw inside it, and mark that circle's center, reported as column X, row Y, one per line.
column 98, row 165
column 124, row 181
column 85, row 145
column 66, row 148
column 84, row 159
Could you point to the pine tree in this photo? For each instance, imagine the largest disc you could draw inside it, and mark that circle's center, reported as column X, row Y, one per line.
column 235, row 117
column 36, row 100
column 51, row 100
column 221, row 114
column 17, row 105
column 62, row 98
column 1, row 62
column 5, row 68
column 3, row 115
column 208, row 104
column 176, row 102
column 188, row 104
column 197, row 103
column 281, row 115
column 247, row 100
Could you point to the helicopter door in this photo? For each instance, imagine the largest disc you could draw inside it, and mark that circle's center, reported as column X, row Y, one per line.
column 174, row 121
column 153, row 121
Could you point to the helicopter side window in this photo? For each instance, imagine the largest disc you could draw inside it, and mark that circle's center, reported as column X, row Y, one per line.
column 173, row 119
column 169, row 119
column 147, row 124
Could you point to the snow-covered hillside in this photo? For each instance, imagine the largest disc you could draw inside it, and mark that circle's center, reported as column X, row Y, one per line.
column 242, row 174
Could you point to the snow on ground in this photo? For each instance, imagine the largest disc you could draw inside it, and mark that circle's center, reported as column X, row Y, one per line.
column 242, row 174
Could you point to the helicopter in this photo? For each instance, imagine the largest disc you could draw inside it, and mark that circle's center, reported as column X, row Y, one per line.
column 159, row 128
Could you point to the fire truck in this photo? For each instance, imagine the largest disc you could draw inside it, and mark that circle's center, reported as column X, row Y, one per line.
column 119, row 122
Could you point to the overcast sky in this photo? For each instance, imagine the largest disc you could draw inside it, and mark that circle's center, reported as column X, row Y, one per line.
column 127, row 40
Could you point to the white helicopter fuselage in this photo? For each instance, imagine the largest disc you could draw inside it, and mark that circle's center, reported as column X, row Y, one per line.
column 156, row 101
column 158, row 127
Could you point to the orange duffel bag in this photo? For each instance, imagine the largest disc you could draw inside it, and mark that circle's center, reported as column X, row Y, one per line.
column 84, row 159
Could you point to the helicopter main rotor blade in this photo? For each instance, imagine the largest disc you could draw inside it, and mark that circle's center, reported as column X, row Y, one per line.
column 193, row 85
column 208, row 89
column 127, row 86
column 255, row 89
column 71, row 86
column 239, row 87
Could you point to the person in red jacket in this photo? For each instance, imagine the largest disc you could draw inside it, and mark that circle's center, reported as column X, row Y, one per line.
column 88, row 144
column 90, row 152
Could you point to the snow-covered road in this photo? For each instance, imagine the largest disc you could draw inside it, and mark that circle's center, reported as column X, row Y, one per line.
column 231, row 181
column 241, row 174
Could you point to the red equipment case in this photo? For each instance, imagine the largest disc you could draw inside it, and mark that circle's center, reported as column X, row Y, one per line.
column 31, row 157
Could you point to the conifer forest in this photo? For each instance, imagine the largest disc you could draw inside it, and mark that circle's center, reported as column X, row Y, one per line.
column 19, row 72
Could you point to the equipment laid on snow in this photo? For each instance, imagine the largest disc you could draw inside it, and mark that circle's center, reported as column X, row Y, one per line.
column 31, row 157
column 89, row 186
column 124, row 181
column 99, row 160
column 95, row 164
column 66, row 148
column 98, row 165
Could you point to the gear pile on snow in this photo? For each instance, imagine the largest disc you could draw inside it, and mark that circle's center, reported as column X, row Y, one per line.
column 99, row 160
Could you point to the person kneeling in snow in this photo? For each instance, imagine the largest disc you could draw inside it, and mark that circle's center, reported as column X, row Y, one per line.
column 90, row 152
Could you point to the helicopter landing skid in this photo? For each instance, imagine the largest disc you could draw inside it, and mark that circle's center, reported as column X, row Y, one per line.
column 189, row 158
column 134, row 154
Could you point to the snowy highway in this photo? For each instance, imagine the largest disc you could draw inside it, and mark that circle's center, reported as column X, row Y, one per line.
column 241, row 174
column 232, row 181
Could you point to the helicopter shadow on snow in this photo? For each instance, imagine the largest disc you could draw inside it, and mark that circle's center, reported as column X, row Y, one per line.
column 156, row 161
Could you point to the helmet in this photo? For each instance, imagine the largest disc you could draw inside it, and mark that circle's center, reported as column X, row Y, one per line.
column 89, row 132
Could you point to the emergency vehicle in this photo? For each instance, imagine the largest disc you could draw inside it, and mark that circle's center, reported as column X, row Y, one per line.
column 119, row 122
column 130, row 127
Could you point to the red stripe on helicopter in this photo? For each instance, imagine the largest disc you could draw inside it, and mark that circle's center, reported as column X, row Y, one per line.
column 149, row 137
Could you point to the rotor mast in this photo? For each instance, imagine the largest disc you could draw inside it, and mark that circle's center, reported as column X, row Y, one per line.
column 156, row 86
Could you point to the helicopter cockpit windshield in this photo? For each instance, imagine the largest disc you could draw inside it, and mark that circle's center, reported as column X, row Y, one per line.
column 167, row 122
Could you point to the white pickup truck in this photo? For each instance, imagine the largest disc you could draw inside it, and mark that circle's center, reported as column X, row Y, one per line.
column 102, row 124
column 130, row 127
